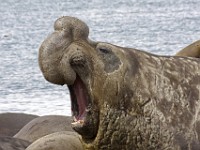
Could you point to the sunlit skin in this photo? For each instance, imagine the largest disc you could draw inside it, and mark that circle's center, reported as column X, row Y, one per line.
column 192, row 50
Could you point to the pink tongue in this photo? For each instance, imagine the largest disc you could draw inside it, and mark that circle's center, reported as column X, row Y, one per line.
column 81, row 97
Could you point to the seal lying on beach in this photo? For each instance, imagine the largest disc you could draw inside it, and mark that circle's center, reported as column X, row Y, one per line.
column 65, row 140
column 10, row 143
column 11, row 123
column 44, row 125
column 123, row 98
column 50, row 132
column 192, row 50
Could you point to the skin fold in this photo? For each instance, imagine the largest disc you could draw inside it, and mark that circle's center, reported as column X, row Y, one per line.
column 136, row 100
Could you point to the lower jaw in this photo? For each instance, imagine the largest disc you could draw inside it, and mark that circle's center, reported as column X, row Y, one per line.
column 85, row 129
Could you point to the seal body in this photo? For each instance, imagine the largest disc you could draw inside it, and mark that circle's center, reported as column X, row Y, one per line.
column 123, row 98
column 11, row 123
column 44, row 125
column 65, row 140
column 10, row 143
column 192, row 50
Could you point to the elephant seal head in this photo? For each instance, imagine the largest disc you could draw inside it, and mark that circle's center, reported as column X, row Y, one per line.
column 89, row 69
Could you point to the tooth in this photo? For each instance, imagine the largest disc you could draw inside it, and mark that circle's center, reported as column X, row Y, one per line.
column 87, row 110
column 78, row 122
column 75, row 120
column 74, row 123
column 81, row 121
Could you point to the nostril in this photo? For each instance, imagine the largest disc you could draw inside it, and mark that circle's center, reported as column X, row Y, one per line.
column 78, row 60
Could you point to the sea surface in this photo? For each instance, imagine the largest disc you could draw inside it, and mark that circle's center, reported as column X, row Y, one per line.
column 158, row 26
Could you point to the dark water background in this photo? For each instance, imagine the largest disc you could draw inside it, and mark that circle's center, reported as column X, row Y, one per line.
column 158, row 26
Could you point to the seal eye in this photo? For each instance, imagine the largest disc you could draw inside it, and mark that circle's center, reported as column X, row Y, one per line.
column 108, row 57
column 104, row 50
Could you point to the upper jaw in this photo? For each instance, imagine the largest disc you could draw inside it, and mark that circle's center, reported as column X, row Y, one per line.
column 80, row 99
column 84, row 112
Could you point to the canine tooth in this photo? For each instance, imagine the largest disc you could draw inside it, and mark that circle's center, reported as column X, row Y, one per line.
column 78, row 122
column 74, row 123
column 87, row 110
column 81, row 121
column 75, row 120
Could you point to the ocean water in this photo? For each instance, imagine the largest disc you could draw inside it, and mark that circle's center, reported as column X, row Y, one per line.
column 157, row 26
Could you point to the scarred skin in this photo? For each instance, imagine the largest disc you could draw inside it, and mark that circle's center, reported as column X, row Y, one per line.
column 137, row 100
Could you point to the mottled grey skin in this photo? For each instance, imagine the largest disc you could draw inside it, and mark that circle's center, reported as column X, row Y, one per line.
column 11, row 123
column 137, row 100
column 44, row 125
column 192, row 50
column 10, row 143
column 58, row 141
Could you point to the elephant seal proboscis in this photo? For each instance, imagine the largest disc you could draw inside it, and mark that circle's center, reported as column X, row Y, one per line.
column 44, row 125
column 123, row 98
column 65, row 140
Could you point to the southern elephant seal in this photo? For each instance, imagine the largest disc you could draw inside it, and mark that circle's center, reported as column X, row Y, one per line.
column 10, row 143
column 192, row 50
column 65, row 140
column 44, row 125
column 123, row 98
column 11, row 123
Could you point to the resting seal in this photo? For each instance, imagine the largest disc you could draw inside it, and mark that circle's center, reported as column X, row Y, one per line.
column 11, row 123
column 10, row 143
column 44, row 125
column 65, row 140
column 192, row 50
column 123, row 98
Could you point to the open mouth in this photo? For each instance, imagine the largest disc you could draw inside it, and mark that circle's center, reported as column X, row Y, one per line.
column 79, row 101
column 84, row 112
column 84, row 115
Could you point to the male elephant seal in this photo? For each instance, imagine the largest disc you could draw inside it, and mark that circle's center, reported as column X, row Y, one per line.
column 58, row 141
column 44, row 125
column 123, row 98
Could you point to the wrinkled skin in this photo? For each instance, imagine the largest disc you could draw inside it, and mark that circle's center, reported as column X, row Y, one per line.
column 124, row 98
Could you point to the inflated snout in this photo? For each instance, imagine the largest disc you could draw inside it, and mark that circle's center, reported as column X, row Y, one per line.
column 51, row 63
column 54, row 60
